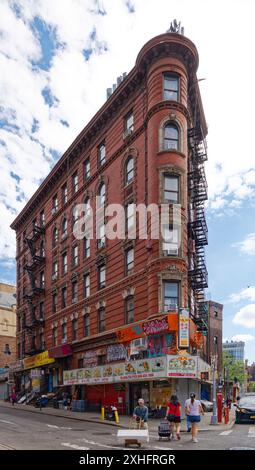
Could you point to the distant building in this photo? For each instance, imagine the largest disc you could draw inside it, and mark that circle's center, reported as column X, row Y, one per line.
column 214, row 337
column 251, row 372
column 7, row 324
column 235, row 349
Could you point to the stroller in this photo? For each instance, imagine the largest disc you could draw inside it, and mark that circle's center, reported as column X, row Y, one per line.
column 165, row 430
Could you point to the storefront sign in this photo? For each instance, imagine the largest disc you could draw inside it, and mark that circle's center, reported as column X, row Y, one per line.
column 60, row 351
column 182, row 366
column 90, row 359
column 116, row 352
column 184, row 328
column 37, row 360
column 155, row 326
column 167, row 323
column 16, row 366
column 123, row 371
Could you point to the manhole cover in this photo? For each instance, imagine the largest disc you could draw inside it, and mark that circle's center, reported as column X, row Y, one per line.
column 101, row 433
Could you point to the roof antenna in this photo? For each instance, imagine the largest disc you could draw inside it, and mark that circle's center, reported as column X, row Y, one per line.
column 176, row 28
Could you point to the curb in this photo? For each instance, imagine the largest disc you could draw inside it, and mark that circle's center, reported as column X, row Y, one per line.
column 108, row 423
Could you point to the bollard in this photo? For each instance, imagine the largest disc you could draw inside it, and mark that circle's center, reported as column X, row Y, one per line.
column 116, row 414
column 226, row 415
column 102, row 413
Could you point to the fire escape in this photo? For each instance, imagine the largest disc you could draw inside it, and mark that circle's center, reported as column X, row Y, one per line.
column 37, row 260
column 198, row 232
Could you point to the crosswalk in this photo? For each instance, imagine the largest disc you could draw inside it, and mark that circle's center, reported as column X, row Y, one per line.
column 251, row 432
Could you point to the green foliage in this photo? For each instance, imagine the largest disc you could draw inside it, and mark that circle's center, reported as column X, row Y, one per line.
column 233, row 368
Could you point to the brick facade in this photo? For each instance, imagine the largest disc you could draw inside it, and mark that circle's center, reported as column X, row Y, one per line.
column 142, row 93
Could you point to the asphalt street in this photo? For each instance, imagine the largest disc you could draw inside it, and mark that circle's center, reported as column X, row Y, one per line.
column 23, row 430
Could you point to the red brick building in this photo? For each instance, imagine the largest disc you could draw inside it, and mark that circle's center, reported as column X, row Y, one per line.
column 89, row 305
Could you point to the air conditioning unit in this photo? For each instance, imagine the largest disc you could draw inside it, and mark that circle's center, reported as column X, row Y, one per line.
column 54, row 210
column 128, row 132
column 173, row 251
column 64, row 341
column 64, row 235
column 54, row 276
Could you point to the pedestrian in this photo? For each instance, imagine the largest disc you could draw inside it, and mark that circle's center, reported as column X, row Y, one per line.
column 194, row 410
column 141, row 415
column 13, row 398
column 228, row 401
column 173, row 415
column 187, row 416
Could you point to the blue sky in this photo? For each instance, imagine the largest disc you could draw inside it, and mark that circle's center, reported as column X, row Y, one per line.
column 51, row 59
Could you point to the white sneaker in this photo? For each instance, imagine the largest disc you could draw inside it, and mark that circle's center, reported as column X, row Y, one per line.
column 194, row 440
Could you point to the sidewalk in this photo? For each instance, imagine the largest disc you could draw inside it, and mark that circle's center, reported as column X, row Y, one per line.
column 124, row 420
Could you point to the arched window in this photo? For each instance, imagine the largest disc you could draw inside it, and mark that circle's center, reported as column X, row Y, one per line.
column 129, row 170
column 55, row 237
column 101, row 194
column 64, row 227
column 171, row 136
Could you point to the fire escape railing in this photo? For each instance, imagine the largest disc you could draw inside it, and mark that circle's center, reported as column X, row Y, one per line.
column 197, row 229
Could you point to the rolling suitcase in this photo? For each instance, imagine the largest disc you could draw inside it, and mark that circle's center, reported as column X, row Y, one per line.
column 164, row 430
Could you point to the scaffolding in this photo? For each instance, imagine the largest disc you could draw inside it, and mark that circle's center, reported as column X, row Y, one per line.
column 197, row 228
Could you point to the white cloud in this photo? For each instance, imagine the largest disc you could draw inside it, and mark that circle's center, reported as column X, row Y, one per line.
column 245, row 294
column 246, row 316
column 245, row 338
column 247, row 246
column 79, row 87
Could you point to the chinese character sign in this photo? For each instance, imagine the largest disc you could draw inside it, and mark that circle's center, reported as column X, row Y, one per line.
column 183, row 328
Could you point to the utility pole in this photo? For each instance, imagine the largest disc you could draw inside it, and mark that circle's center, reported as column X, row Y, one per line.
column 214, row 419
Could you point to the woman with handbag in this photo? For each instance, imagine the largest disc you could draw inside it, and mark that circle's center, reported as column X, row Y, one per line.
column 173, row 415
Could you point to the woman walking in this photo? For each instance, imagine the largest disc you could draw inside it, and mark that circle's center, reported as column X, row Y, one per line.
column 173, row 415
column 193, row 409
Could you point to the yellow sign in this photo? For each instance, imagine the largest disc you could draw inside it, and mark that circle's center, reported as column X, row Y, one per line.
column 38, row 360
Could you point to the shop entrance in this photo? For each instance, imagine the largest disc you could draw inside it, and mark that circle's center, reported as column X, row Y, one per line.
column 136, row 391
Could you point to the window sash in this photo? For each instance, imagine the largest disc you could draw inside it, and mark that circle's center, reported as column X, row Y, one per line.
column 101, row 320
column 87, row 169
column 86, row 325
column 129, row 260
column 130, row 170
column 130, row 310
column 129, row 122
column 75, row 183
column 101, row 154
column 64, row 194
column 171, row 295
column 102, row 272
column 171, row 87
column 86, row 286
column 86, row 247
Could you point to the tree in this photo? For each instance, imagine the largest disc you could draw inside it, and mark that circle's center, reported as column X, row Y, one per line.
column 234, row 369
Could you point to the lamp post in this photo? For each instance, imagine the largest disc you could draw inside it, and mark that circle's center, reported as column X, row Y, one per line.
column 213, row 365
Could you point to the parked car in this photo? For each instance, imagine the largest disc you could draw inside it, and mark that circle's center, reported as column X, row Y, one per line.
column 245, row 410
column 207, row 405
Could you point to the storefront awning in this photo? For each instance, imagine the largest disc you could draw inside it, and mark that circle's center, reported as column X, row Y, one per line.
column 61, row 351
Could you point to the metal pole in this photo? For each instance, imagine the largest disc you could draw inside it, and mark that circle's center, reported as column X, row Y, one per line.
column 214, row 415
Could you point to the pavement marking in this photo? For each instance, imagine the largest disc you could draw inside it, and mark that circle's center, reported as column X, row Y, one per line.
column 57, row 427
column 7, row 422
column 99, row 444
column 74, row 446
column 251, row 432
column 226, row 433
column 161, row 448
